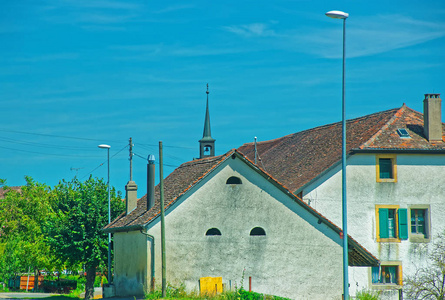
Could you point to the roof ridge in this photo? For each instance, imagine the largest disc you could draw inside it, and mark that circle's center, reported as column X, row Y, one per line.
column 199, row 161
column 325, row 126
column 396, row 116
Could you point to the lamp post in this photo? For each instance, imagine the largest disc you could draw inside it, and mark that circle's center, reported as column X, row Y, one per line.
column 335, row 14
column 103, row 146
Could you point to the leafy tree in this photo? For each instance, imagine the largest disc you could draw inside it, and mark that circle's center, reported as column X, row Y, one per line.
column 429, row 282
column 75, row 229
column 22, row 243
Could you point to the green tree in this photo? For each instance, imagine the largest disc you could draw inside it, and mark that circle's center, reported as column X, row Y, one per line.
column 75, row 230
column 22, row 242
column 429, row 282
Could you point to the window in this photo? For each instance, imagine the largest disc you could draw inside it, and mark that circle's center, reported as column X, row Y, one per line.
column 388, row 273
column 392, row 223
column 233, row 180
column 213, row 231
column 403, row 133
column 386, row 168
column 420, row 221
column 257, row 231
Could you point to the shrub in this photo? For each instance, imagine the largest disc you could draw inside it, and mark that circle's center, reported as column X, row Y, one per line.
column 367, row 295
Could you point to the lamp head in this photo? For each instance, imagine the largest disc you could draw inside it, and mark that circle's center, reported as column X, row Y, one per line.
column 336, row 14
column 103, row 146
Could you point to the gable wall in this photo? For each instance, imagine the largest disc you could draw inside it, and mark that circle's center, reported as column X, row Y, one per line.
column 420, row 180
column 294, row 259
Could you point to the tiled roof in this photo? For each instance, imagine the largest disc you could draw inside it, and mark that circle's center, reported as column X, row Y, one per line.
column 298, row 158
column 190, row 173
column 176, row 184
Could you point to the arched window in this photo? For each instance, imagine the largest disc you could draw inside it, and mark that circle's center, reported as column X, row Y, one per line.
column 234, row 180
column 257, row 231
column 213, row 231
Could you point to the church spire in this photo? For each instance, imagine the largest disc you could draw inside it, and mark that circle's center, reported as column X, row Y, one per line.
column 207, row 143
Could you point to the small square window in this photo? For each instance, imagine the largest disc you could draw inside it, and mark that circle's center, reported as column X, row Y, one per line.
column 387, row 274
column 386, row 168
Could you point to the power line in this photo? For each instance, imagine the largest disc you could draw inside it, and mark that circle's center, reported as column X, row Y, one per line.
column 152, row 145
column 48, row 154
column 43, row 145
column 145, row 158
column 89, row 173
column 54, row 135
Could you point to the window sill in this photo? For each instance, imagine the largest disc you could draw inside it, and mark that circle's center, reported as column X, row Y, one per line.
column 389, row 240
column 386, row 286
column 418, row 238
column 386, row 180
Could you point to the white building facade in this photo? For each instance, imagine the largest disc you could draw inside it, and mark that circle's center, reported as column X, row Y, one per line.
column 238, row 223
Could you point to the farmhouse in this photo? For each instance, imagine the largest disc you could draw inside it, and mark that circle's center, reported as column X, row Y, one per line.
column 395, row 184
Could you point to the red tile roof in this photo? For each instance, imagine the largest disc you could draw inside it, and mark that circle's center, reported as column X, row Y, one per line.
column 298, row 158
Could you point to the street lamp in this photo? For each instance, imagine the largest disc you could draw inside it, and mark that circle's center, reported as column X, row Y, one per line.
column 335, row 14
column 103, row 146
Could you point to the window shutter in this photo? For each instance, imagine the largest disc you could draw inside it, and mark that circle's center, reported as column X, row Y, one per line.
column 403, row 223
column 383, row 223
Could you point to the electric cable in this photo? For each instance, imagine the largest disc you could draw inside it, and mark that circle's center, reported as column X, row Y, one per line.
column 54, row 135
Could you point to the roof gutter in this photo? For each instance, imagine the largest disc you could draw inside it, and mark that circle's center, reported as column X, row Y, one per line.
column 399, row 150
column 123, row 229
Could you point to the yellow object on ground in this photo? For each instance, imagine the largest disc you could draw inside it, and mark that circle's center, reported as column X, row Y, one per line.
column 210, row 285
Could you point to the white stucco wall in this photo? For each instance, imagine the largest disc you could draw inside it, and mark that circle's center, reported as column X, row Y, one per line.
column 130, row 263
column 420, row 180
column 298, row 258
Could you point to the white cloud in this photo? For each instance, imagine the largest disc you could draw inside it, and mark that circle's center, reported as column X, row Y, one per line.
column 377, row 34
column 173, row 8
column 251, row 30
column 141, row 52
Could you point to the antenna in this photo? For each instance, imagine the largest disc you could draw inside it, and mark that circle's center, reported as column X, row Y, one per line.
column 75, row 169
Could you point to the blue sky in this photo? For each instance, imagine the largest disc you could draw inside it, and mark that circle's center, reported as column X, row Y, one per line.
column 75, row 74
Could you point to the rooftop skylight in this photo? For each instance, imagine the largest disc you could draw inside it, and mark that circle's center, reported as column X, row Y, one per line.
column 403, row 133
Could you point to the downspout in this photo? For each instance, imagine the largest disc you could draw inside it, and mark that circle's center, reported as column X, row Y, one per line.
column 152, row 238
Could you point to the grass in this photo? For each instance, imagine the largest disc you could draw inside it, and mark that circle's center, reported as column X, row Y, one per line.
column 237, row 294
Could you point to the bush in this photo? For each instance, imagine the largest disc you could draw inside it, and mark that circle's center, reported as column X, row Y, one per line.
column 367, row 295
column 99, row 280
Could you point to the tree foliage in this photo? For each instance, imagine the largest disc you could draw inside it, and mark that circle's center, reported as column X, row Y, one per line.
column 22, row 242
column 74, row 231
column 429, row 282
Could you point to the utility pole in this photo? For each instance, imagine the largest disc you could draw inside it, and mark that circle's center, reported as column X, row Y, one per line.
column 161, row 185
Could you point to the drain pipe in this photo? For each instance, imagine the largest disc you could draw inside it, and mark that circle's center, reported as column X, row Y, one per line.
column 152, row 238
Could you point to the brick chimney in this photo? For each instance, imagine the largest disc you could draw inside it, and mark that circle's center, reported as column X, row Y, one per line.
column 432, row 116
column 131, row 196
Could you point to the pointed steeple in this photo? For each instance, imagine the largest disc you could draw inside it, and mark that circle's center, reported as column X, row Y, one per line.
column 207, row 143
